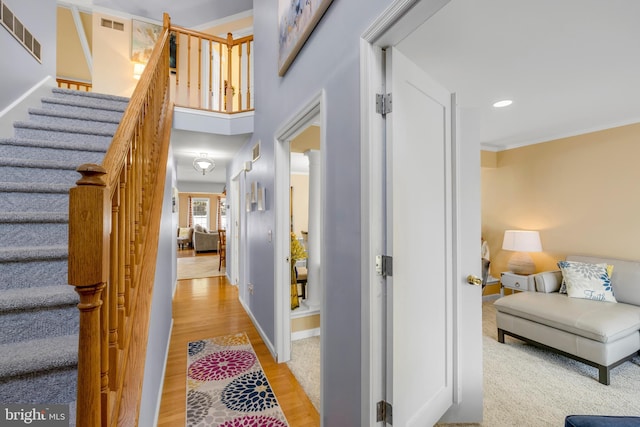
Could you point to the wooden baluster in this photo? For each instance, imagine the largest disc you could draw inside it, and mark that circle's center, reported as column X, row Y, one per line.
column 249, row 75
column 178, row 36
column 210, row 91
column 221, row 79
column 199, row 72
column 114, row 286
column 229, row 90
column 89, row 212
column 240, row 77
column 124, row 273
column 189, row 62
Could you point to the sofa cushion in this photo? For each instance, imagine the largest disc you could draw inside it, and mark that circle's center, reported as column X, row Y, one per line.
column 586, row 280
column 596, row 320
column 625, row 278
column 548, row 281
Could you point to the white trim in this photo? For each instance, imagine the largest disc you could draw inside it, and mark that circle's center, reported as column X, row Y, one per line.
column 84, row 5
column 555, row 136
column 82, row 35
column 307, row 333
column 290, row 129
column 264, row 336
column 225, row 20
column 25, row 95
column 164, row 371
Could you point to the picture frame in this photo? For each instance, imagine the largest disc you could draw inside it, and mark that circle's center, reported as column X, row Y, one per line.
column 255, row 152
column 144, row 36
column 296, row 21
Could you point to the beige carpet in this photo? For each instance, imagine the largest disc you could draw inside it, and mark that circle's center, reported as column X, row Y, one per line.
column 197, row 267
column 523, row 386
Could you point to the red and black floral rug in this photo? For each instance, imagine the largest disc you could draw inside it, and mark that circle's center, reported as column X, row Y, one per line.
column 227, row 387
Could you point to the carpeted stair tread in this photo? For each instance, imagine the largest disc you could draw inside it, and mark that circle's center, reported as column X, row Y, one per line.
column 33, row 217
column 33, row 253
column 83, row 104
column 102, row 129
column 30, row 298
column 58, row 145
column 38, row 355
column 34, row 187
column 38, row 164
column 96, row 116
column 93, row 95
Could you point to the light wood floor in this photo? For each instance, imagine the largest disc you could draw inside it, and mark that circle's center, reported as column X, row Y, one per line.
column 206, row 308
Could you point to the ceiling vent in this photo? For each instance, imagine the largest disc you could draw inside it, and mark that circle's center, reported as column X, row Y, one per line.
column 108, row 23
column 18, row 30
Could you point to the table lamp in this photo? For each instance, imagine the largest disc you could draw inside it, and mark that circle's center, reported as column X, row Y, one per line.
column 522, row 242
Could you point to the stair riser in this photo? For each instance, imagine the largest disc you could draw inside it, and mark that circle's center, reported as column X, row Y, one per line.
column 24, row 202
column 28, row 152
column 90, row 98
column 47, row 322
column 52, row 387
column 45, row 134
column 64, row 121
column 60, row 176
column 13, row 235
column 90, row 109
column 14, row 275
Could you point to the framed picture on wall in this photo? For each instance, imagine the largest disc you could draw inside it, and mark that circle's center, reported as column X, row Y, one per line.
column 144, row 36
column 296, row 21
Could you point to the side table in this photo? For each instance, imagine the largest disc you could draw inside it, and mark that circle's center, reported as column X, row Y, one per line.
column 517, row 282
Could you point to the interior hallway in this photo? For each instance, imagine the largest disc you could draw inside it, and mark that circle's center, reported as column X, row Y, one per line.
column 209, row 307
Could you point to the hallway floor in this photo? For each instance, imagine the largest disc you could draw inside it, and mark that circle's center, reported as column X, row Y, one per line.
column 209, row 307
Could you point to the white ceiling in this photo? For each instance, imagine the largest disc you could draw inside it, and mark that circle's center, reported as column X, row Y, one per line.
column 570, row 66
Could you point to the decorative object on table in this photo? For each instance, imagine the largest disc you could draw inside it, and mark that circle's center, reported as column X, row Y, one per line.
column 296, row 21
column 297, row 253
column 226, row 385
column 522, row 242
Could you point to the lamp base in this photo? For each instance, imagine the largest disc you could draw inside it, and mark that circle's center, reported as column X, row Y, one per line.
column 521, row 263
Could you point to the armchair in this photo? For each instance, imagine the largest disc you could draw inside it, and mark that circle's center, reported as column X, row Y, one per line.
column 204, row 240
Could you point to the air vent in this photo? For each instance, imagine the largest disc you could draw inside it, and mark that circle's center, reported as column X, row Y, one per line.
column 108, row 23
column 17, row 30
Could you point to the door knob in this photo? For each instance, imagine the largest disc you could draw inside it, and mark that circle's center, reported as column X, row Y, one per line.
column 474, row 280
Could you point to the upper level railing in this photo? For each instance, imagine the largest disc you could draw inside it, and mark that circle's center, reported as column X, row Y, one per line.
column 211, row 73
column 73, row 84
column 114, row 222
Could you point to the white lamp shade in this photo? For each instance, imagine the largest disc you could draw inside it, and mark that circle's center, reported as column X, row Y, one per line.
column 522, row 241
column 203, row 164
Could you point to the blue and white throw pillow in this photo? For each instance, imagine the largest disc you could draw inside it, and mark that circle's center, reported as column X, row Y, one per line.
column 588, row 281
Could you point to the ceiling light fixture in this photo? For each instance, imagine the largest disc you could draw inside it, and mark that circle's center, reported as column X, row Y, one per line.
column 203, row 164
column 503, row 103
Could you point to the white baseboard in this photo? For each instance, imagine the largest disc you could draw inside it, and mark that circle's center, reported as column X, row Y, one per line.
column 164, row 372
column 264, row 337
column 307, row 333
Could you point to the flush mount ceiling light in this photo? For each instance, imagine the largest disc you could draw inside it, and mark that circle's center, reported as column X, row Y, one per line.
column 203, row 164
column 503, row 103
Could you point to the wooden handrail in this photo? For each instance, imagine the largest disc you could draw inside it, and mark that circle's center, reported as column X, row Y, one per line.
column 74, row 84
column 113, row 228
column 201, row 82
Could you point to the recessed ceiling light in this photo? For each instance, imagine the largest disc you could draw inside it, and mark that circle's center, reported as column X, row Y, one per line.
column 503, row 103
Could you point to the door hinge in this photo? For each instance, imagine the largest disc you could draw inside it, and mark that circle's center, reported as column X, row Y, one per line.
column 384, row 412
column 383, row 103
column 384, row 265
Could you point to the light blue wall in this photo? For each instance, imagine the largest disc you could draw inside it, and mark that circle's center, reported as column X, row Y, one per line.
column 161, row 305
column 329, row 61
column 20, row 71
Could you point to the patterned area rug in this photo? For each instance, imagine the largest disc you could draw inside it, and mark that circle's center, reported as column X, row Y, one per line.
column 227, row 387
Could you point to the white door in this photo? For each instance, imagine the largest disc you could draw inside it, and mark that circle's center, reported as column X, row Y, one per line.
column 233, row 213
column 420, row 238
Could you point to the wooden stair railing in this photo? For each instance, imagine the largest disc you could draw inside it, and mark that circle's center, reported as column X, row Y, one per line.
column 114, row 221
column 201, row 81
column 73, row 84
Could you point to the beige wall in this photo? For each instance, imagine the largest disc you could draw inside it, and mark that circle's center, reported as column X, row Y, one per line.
column 112, row 66
column 183, row 207
column 581, row 193
column 70, row 60
column 300, row 203
column 305, row 323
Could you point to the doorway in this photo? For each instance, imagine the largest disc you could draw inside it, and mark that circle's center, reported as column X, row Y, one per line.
column 306, row 320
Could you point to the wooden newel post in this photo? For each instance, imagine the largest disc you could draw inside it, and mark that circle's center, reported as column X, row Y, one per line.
column 89, row 220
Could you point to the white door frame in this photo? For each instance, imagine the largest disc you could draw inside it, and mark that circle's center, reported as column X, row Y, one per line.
column 393, row 25
column 233, row 217
column 306, row 116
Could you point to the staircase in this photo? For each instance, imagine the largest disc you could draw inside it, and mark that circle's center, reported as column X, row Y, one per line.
column 38, row 313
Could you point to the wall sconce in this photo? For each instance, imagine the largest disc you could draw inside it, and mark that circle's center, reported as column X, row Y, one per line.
column 522, row 242
column 138, row 68
column 203, row 164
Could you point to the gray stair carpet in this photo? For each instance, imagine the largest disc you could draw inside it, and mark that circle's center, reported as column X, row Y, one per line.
column 38, row 309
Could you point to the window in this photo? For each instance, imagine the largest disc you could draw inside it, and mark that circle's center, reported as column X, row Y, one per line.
column 200, row 208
